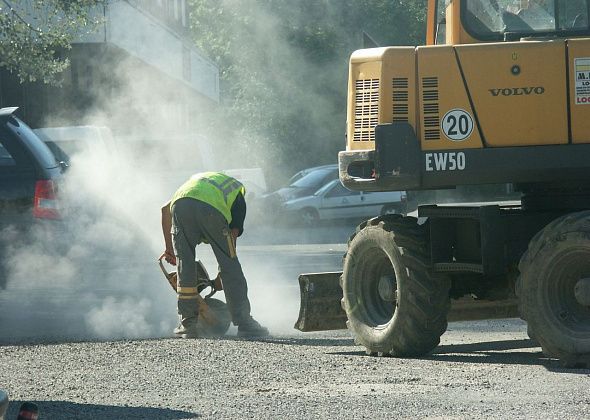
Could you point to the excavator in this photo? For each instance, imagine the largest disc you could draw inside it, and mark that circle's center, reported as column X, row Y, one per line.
column 500, row 94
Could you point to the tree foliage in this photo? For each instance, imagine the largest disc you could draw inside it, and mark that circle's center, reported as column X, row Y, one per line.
column 283, row 67
column 33, row 33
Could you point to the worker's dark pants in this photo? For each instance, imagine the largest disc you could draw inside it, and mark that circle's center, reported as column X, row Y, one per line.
column 193, row 222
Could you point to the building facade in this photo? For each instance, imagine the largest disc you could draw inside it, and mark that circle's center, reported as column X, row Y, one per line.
column 138, row 73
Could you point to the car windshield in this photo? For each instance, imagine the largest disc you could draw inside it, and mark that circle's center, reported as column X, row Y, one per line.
column 326, row 187
column 313, row 179
column 297, row 176
column 493, row 18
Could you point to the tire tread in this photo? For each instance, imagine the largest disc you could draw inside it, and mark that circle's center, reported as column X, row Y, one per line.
column 422, row 314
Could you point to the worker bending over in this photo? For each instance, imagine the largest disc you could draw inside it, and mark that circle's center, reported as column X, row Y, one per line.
column 209, row 207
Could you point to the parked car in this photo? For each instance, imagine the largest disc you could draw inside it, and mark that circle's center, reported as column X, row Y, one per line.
column 333, row 168
column 307, row 181
column 303, row 183
column 30, row 177
column 29, row 174
column 334, row 201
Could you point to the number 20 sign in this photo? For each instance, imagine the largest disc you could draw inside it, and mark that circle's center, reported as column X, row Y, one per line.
column 457, row 124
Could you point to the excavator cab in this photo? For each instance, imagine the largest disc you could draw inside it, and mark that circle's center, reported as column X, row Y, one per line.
column 474, row 21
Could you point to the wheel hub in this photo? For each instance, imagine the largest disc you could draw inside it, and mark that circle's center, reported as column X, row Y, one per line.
column 387, row 288
column 582, row 292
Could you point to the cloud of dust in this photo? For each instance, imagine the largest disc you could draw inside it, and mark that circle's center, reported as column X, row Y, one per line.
column 98, row 279
column 282, row 87
column 275, row 297
column 94, row 274
column 95, row 271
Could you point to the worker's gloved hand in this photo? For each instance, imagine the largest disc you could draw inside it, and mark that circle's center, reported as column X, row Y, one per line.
column 169, row 257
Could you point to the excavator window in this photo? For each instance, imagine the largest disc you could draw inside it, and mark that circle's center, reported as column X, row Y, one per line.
column 513, row 19
column 441, row 21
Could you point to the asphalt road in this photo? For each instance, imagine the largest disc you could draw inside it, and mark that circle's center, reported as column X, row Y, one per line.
column 481, row 370
column 94, row 342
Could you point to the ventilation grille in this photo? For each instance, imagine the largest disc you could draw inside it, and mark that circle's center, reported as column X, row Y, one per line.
column 430, row 109
column 366, row 111
column 400, row 100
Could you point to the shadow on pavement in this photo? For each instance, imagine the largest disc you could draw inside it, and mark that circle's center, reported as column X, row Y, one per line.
column 491, row 352
column 290, row 341
column 70, row 410
column 487, row 345
column 449, row 351
column 497, row 352
column 494, row 352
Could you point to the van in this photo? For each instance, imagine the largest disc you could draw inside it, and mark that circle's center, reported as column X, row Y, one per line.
column 252, row 178
column 66, row 142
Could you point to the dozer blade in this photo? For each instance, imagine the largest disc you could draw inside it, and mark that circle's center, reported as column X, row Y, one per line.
column 320, row 303
column 321, row 309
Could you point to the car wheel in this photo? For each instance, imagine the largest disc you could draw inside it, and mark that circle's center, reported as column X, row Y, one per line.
column 309, row 217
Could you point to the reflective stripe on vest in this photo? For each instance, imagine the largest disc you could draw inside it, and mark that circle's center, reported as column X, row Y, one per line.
column 214, row 188
column 226, row 187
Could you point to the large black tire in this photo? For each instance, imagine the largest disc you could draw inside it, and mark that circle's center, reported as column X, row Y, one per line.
column 394, row 303
column 556, row 259
column 529, row 330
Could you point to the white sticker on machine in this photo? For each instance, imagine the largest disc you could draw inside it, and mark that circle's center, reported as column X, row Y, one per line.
column 457, row 124
column 582, row 66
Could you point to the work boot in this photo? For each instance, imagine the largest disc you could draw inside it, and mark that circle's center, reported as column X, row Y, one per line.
column 251, row 328
column 189, row 331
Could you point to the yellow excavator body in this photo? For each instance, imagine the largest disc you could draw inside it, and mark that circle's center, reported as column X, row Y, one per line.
column 500, row 94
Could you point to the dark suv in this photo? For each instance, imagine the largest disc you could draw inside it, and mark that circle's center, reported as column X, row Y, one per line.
column 29, row 176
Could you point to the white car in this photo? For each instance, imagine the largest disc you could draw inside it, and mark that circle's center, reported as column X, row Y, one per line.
column 334, row 201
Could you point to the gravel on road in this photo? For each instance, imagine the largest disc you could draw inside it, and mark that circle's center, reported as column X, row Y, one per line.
column 485, row 369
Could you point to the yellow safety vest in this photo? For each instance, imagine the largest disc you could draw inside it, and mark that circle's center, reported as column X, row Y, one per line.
column 214, row 188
